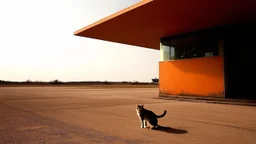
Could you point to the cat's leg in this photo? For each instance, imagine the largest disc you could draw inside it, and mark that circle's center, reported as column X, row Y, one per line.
column 145, row 123
column 150, row 125
column 141, row 123
column 153, row 124
column 153, row 127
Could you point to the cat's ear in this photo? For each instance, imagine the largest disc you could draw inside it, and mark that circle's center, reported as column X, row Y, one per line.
column 142, row 105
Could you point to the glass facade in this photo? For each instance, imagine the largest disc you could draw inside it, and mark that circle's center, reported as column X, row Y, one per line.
column 190, row 46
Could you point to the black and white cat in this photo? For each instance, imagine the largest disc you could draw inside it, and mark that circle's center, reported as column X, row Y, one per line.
column 147, row 116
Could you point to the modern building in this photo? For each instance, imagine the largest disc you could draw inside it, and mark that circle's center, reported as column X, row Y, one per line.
column 206, row 46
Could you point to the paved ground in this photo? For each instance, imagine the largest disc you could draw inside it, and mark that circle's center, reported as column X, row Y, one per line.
column 79, row 115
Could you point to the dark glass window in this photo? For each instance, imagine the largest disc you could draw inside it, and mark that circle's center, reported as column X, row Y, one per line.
column 190, row 46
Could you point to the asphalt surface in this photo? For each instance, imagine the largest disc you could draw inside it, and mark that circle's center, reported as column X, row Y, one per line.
column 42, row 115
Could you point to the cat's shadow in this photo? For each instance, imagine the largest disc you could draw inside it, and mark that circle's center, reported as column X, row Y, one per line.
column 169, row 130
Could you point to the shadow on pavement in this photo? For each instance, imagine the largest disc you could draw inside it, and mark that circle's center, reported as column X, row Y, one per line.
column 170, row 130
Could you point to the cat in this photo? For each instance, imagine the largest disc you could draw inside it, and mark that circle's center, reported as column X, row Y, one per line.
column 147, row 116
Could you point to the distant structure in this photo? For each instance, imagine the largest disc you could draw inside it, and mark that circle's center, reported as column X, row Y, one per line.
column 206, row 46
column 155, row 80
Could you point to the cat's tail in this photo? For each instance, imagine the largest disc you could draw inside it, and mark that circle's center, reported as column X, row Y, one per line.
column 160, row 116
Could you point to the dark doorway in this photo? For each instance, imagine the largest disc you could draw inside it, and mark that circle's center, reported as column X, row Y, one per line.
column 239, row 61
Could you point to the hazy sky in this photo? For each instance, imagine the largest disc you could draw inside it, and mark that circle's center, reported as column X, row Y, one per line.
column 37, row 43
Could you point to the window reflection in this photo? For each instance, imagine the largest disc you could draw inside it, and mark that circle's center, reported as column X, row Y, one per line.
column 192, row 46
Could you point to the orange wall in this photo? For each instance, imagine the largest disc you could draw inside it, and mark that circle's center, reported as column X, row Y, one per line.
column 194, row 77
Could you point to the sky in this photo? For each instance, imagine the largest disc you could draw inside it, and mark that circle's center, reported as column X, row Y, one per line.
column 37, row 43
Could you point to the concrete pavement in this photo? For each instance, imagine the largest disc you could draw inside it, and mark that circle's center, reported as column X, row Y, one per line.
column 95, row 115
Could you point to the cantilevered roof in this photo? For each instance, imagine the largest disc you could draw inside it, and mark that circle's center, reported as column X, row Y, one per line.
column 144, row 23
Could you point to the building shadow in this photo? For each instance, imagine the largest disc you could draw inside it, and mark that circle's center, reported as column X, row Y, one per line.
column 170, row 130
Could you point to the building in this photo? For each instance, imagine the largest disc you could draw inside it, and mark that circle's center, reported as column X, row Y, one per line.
column 206, row 47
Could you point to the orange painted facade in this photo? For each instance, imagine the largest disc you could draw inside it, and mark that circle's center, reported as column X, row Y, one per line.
column 192, row 77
